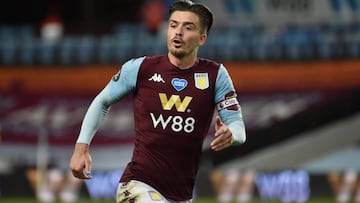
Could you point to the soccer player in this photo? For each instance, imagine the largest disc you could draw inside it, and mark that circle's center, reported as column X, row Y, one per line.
column 175, row 96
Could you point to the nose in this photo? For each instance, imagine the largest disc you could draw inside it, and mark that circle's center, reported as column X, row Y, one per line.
column 179, row 30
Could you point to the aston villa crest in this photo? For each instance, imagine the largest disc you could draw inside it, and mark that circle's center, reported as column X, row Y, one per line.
column 201, row 80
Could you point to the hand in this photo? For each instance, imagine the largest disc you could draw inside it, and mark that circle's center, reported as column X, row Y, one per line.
column 223, row 136
column 80, row 163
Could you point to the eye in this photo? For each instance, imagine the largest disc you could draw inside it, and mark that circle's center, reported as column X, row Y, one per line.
column 189, row 27
column 172, row 25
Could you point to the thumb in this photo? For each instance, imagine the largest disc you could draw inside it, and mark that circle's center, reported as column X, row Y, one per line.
column 87, row 169
column 218, row 123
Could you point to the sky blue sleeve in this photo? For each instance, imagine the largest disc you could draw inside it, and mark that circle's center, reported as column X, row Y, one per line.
column 125, row 80
column 225, row 95
column 120, row 85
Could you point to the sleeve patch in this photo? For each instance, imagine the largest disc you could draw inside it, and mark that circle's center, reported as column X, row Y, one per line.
column 226, row 104
column 116, row 76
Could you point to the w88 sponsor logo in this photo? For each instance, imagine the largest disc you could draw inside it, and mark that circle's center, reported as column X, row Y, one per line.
column 176, row 123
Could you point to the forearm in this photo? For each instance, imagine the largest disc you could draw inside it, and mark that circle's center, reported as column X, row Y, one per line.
column 94, row 117
column 238, row 132
column 234, row 121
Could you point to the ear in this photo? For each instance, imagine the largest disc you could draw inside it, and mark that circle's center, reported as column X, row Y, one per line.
column 203, row 38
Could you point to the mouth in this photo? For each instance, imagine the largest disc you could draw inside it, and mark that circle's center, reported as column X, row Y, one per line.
column 177, row 42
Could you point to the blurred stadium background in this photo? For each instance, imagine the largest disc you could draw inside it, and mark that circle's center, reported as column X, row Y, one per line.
column 295, row 65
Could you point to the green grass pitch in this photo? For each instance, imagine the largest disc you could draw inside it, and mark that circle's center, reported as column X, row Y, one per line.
column 29, row 200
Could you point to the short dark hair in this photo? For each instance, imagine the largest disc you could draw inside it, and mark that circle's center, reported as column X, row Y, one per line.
column 204, row 13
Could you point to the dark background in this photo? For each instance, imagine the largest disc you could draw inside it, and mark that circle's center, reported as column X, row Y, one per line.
column 81, row 15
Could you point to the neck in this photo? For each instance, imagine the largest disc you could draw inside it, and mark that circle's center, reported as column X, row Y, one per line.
column 184, row 62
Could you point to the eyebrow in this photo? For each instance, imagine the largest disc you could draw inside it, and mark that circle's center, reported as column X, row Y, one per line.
column 185, row 23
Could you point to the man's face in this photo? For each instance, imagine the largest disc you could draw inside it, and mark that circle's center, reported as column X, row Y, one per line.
column 184, row 34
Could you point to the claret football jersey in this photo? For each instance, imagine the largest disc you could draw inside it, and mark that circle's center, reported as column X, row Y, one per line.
column 173, row 110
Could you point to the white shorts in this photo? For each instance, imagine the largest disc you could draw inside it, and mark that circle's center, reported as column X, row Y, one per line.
column 139, row 192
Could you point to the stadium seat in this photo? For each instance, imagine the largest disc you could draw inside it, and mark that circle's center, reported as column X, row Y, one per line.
column 7, row 32
column 8, row 49
column 46, row 52
column 67, row 50
column 145, row 46
column 105, row 49
column 25, row 32
column 20, row 45
column 85, row 49
column 353, row 50
column 261, row 44
column 124, row 48
column 234, row 7
column 295, row 41
column 231, row 47
column 352, row 45
column 208, row 50
column 27, row 51
column 275, row 50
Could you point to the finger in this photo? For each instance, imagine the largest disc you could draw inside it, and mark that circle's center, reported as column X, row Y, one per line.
column 76, row 169
column 86, row 174
column 220, row 131
column 220, row 146
column 221, row 142
column 80, row 171
column 78, row 174
column 87, row 169
column 220, row 135
column 218, row 123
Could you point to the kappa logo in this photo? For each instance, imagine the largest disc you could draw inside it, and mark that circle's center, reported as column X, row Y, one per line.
column 157, row 78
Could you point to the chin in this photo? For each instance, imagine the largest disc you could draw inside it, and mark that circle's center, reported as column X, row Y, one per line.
column 177, row 53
